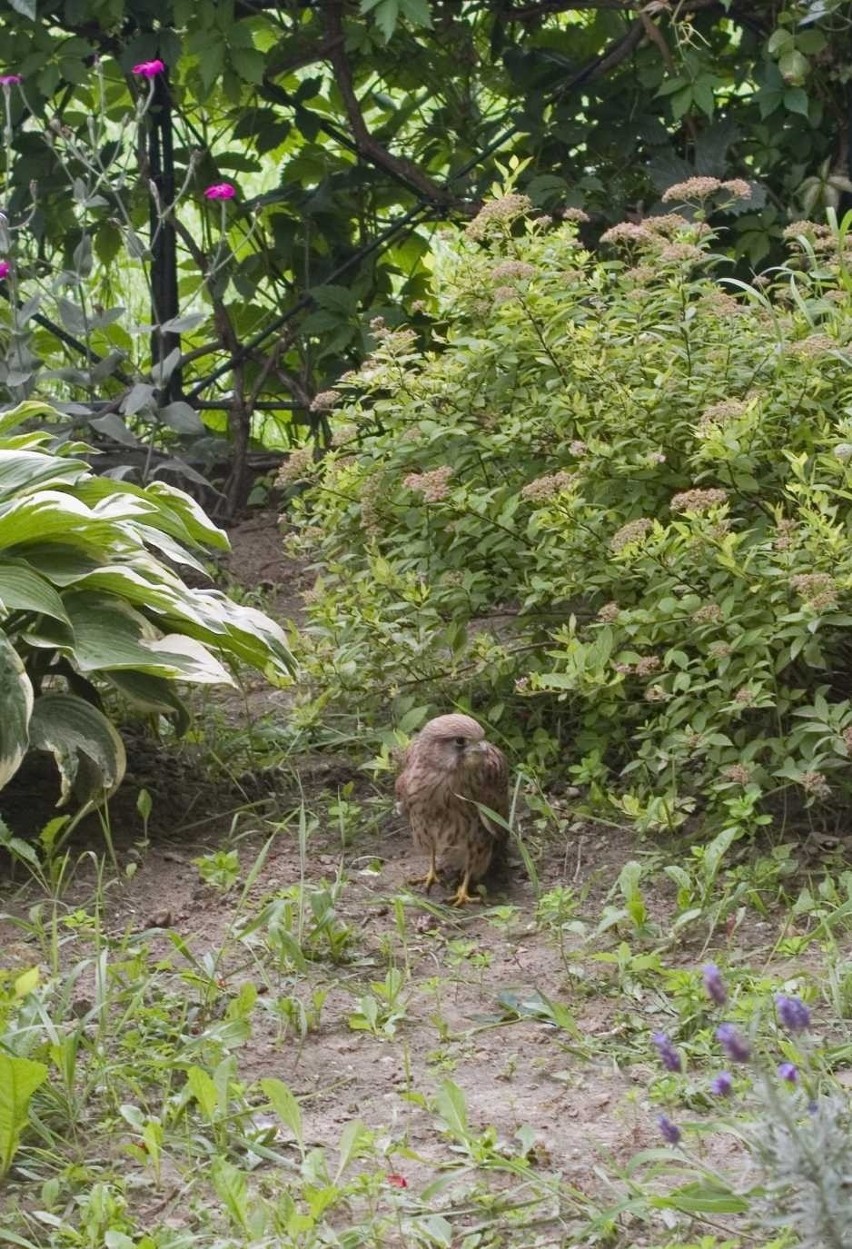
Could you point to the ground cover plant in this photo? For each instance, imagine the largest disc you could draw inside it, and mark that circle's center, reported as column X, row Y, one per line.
column 266, row 1038
column 611, row 513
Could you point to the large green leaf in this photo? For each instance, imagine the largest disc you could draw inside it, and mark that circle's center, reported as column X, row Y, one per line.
column 29, row 410
column 19, row 1079
column 88, row 751
column 29, row 470
column 59, row 562
column 50, row 513
column 16, row 705
column 22, row 589
column 109, row 634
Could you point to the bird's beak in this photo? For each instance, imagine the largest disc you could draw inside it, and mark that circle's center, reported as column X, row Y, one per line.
column 476, row 748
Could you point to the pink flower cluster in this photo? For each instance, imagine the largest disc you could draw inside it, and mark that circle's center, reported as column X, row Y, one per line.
column 9, row 80
column 220, row 190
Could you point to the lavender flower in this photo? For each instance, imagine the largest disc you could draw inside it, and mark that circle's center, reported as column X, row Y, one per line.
column 669, row 1056
column 723, row 1084
column 733, row 1043
column 788, row 1072
column 670, row 1131
column 714, row 984
column 793, row 1013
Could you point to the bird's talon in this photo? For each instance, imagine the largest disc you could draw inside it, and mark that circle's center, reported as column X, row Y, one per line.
column 462, row 896
column 431, row 878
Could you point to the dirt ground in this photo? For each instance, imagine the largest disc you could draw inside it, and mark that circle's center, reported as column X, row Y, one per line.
column 474, row 980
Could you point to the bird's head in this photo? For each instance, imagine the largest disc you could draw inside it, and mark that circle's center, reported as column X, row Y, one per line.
column 453, row 741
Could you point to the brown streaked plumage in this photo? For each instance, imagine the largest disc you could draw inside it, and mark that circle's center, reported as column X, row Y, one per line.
column 446, row 771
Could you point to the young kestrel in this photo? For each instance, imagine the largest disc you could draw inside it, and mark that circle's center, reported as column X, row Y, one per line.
column 446, row 771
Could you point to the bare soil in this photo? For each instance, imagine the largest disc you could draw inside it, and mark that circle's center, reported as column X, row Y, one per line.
column 464, row 969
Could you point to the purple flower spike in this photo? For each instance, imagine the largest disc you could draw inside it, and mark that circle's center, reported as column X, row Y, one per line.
column 220, row 190
column 788, row 1072
column 149, row 69
column 733, row 1043
column 9, row 80
column 669, row 1131
column 669, row 1056
column 714, row 984
column 723, row 1084
column 793, row 1013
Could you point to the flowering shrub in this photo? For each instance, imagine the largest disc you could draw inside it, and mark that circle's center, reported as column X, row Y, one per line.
column 612, row 513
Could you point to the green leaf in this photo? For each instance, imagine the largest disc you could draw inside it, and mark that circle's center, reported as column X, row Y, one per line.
column 26, row 8
column 89, row 752
column 19, row 1079
column 30, row 469
column 22, row 589
column 354, row 1138
column 385, row 14
column 16, row 700
column 796, row 101
column 702, row 1197
column 453, row 1109
column 203, row 1089
column 285, row 1106
column 249, row 64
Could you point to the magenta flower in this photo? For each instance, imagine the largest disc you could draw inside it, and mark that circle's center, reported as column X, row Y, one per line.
column 220, row 190
column 5, row 269
column 8, row 80
column 149, row 69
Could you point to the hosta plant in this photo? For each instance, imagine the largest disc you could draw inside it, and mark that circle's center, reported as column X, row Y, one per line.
column 90, row 599
column 612, row 513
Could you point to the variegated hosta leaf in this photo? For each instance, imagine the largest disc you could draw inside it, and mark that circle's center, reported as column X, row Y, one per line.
column 110, row 634
column 62, row 517
column 30, row 470
column 88, row 751
column 16, row 705
column 22, row 589
column 29, row 410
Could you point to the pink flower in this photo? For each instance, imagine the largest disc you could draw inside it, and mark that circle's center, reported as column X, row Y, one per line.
column 397, row 1181
column 220, row 190
column 7, row 80
column 5, row 269
column 149, row 69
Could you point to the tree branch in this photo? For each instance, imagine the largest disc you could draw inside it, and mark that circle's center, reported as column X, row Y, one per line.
column 366, row 145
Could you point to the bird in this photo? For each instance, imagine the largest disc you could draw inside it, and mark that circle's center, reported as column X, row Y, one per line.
column 446, row 772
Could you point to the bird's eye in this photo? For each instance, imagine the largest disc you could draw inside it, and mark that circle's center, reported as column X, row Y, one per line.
column 459, row 741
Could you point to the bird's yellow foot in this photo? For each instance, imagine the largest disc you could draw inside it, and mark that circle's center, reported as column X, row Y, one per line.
column 462, row 896
column 431, row 878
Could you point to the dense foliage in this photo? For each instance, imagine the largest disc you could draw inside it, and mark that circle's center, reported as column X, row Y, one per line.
column 346, row 129
column 612, row 512
column 89, row 600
